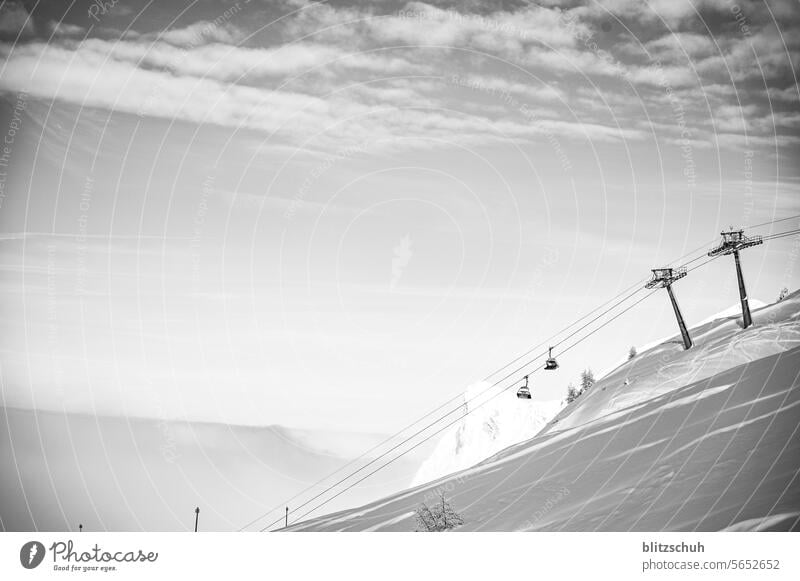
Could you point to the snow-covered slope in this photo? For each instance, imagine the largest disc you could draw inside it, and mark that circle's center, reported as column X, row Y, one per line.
column 492, row 427
column 705, row 439
column 503, row 422
column 718, row 345
column 732, row 312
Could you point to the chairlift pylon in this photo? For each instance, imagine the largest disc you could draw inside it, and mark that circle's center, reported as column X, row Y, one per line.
column 524, row 392
column 551, row 362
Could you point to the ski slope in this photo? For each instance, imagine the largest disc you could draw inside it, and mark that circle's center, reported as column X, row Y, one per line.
column 705, row 439
column 495, row 423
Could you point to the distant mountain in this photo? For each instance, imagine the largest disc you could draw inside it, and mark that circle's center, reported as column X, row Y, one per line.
column 704, row 439
column 114, row 473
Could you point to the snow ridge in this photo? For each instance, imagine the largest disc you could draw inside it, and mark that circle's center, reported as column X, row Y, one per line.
column 499, row 423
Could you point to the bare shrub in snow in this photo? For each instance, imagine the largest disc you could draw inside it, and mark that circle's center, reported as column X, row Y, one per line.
column 438, row 517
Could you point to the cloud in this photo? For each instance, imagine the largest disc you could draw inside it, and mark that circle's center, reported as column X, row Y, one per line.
column 672, row 12
column 766, row 55
column 224, row 62
column 202, row 32
column 65, row 29
column 162, row 80
column 501, row 32
column 663, row 76
column 677, row 47
column 217, row 61
column 789, row 94
column 733, row 119
column 85, row 77
column 495, row 85
column 347, row 74
column 15, row 21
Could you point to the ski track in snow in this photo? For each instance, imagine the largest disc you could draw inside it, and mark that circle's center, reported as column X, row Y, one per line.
column 391, row 521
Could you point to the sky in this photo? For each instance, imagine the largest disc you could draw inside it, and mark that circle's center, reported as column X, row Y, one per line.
column 337, row 215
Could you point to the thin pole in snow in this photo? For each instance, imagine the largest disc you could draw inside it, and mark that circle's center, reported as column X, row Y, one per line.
column 196, row 517
column 287, row 516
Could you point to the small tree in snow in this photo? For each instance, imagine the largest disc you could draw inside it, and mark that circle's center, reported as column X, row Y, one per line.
column 784, row 294
column 438, row 517
column 572, row 393
column 587, row 380
column 632, row 353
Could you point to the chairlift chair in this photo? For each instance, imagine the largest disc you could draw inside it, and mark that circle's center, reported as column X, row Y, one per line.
column 523, row 392
column 551, row 362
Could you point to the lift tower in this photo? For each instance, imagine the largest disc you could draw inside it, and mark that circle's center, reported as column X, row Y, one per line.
column 732, row 242
column 664, row 277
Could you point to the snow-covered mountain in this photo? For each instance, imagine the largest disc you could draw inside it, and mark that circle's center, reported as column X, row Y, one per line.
column 489, row 428
column 704, row 439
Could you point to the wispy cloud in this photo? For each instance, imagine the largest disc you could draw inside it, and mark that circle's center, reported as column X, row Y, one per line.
column 338, row 69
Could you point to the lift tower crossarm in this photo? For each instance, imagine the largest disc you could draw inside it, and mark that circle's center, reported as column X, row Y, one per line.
column 663, row 278
column 732, row 242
